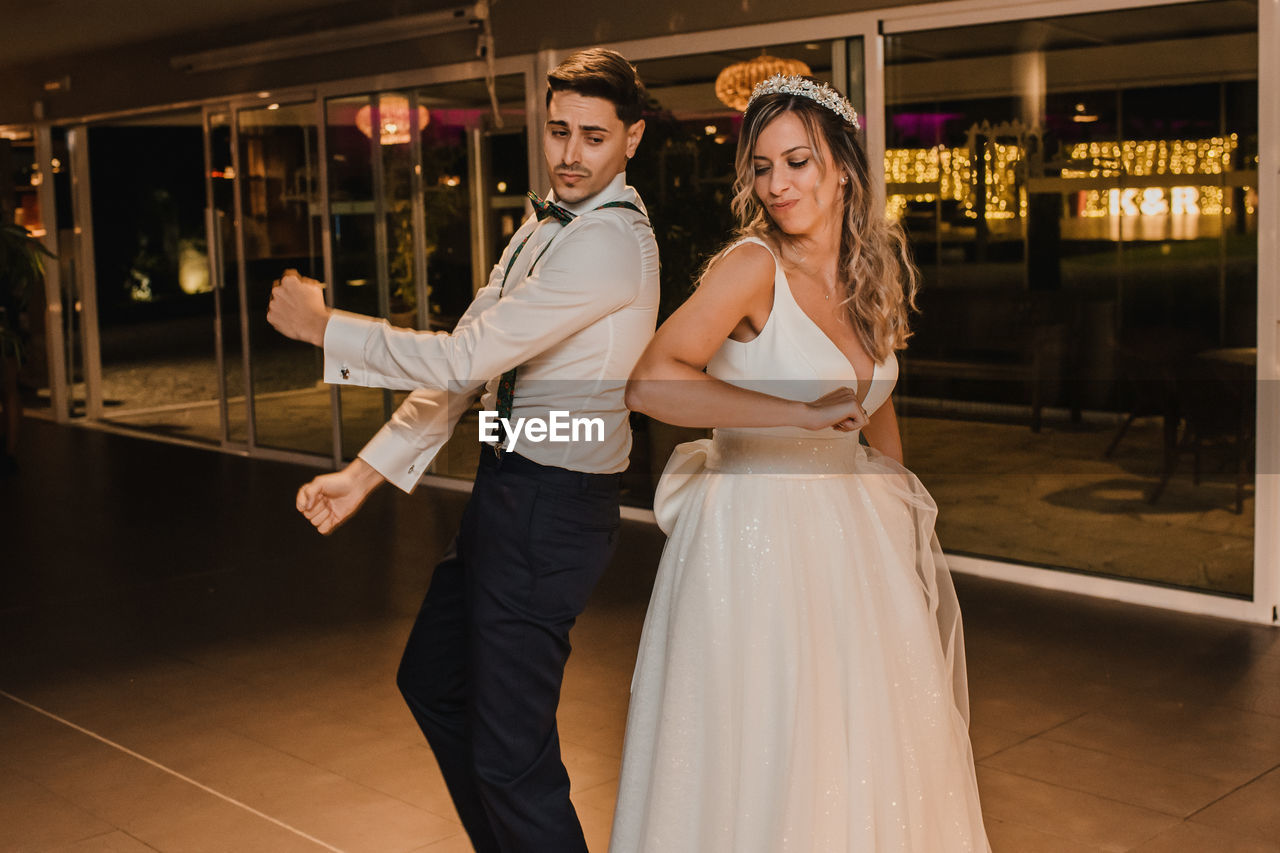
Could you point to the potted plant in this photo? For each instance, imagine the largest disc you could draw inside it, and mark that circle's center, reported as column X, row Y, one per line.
column 21, row 268
column 404, row 297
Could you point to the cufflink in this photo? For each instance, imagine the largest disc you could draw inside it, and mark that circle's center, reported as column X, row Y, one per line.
column 346, row 374
column 411, row 469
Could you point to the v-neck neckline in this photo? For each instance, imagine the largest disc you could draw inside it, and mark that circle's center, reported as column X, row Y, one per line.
column 857, row 380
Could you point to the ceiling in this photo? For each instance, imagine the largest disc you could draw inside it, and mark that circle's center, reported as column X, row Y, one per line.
column 1133, row 26
column 36, row 30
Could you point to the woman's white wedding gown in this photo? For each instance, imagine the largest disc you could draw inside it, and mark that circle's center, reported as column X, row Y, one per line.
column 800, row 684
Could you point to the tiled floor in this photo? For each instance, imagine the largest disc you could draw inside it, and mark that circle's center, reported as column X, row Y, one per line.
column 188, row 667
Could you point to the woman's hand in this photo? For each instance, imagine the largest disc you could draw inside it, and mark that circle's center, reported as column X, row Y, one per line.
column 839, row 409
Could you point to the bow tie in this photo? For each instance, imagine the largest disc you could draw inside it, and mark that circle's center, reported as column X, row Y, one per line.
column 550, row 208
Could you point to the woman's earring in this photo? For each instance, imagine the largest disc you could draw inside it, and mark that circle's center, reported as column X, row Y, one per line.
column 844, row 180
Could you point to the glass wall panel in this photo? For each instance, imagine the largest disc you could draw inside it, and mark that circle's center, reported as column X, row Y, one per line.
column 224, row 272
column 279, row 199
column 19, row 205
column 372, row 228
column 1080, row 194
column 63, row 219
column 154, row 294
column 24, row 371
column 475, row 175
column 417, row 223
column 684, row 171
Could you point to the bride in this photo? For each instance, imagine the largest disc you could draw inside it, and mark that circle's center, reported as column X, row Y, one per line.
column 800, row 684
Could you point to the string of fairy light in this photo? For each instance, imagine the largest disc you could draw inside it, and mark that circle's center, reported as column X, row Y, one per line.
column 930, row 174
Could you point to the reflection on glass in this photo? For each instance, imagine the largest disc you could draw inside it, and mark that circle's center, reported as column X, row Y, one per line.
column 1082, row 202
column 280, row 229
column 425, row 190
column 684, row 172
column 67, row 268
column 21, row 181
column 372, row 227
column 154, row 293
column 223, row 270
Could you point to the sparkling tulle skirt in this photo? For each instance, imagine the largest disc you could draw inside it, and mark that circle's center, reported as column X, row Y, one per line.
column 800, row 684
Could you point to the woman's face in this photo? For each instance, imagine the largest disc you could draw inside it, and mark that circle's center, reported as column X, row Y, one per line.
column 789, row 180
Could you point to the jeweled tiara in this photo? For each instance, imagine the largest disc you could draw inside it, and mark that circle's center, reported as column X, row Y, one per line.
column 821, row 93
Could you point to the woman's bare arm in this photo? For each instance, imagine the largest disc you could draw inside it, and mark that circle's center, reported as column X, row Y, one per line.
column 882, row 431
column 668, row 382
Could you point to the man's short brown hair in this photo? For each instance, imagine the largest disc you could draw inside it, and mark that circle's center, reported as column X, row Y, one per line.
column 600, row 73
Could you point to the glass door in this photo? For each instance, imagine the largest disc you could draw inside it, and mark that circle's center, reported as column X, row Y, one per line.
column 150, row 276
column 59, row 211
column 220, row 217
column 425, row 188
column 416, row 194
column 1081, row 195
column 372, row 143
column 276, row 202
column 33, row 173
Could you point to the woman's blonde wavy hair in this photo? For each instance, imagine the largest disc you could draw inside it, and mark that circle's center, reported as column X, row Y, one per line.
column 879, row 278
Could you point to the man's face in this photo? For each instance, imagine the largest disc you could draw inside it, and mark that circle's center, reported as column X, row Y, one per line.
column 585, row 144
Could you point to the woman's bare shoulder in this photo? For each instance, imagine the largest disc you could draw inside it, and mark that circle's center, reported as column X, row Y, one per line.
column 748, row 266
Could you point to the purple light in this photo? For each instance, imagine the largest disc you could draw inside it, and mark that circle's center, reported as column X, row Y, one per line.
column 923, row 125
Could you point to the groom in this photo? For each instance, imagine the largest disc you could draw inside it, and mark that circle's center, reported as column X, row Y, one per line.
column 568, row 309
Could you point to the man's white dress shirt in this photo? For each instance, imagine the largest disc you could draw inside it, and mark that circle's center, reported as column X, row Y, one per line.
column 575, row 324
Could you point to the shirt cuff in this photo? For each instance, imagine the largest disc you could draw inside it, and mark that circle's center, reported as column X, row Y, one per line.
column 344, row 342
column 403, row 449
column 399, row 461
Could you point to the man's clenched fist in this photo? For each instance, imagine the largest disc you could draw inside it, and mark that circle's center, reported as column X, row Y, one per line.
column 330, row 499
column 297, row 308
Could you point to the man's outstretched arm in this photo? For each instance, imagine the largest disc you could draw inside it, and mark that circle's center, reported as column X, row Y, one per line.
column 401, row 451
column 583, row 278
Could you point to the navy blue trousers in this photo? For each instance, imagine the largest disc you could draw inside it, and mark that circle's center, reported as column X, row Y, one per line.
column 483, row 665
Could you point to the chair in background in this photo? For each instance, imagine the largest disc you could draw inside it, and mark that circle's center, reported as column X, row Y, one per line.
column 1147, row 365
column 1217, row 401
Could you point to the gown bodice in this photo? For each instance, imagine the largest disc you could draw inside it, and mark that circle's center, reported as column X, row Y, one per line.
column 793, row 358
